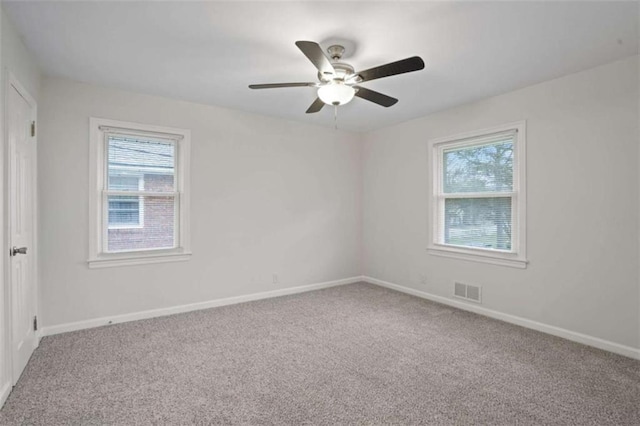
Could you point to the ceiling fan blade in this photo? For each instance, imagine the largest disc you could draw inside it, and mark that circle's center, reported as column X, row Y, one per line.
column 315, row 106
column 414, row 63
column 313, row 51
column 375, row 97
column 278, row 85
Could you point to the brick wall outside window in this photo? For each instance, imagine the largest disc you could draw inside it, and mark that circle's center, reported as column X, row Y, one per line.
column 158, row 223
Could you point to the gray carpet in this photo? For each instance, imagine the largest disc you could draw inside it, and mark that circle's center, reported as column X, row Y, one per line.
column 352, row 354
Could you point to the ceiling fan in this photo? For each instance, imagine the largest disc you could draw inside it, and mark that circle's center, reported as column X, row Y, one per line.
column 338, row 83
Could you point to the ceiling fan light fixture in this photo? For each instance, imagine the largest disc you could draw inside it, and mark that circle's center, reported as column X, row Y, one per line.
column 336, row 93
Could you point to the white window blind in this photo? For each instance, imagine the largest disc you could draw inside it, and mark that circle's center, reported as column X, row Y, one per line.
column 125, row 211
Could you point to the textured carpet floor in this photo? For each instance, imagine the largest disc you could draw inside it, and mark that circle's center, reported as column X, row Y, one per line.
column 352, row 354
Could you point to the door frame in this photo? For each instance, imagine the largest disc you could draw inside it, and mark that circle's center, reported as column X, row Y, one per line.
column 11, row 83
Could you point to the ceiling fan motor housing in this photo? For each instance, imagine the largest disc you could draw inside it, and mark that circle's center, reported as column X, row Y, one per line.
column 342, row 71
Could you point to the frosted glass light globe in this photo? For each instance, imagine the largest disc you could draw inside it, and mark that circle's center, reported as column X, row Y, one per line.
column 336, row 93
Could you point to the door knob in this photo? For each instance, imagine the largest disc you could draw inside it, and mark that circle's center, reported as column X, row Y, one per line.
column 15, row 250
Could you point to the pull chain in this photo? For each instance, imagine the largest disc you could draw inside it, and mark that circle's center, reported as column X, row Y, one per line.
column 335, row 117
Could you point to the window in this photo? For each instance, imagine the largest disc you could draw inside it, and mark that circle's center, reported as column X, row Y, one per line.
column 478, row 196
column 139, row 193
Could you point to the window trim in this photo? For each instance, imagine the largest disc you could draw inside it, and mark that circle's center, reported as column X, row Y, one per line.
column 98, row 207
column 517, row 256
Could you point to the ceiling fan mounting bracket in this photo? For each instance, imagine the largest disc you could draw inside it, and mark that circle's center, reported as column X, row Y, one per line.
column 335, row 52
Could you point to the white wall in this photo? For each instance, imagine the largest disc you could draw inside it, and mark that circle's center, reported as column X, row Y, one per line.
column 14, row 58
column 18, row 60
column 582, row 166
column 268, row 196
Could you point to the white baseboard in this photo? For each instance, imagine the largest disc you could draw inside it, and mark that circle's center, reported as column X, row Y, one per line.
column 98, row 322
column 585, row 339
column 4, row 393
column 534, row 325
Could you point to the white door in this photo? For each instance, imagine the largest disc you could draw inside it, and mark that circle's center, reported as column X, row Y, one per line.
column 21, row 185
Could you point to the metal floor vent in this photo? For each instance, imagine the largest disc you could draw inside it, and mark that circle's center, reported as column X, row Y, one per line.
column 468, row 292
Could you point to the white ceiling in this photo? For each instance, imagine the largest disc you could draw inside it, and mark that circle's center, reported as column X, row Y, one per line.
column 208, row 52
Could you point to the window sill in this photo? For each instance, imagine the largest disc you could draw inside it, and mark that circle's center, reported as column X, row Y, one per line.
column 481, row 256
column 108, row 261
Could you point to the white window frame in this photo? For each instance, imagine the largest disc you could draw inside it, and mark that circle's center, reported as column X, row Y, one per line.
column 140, row 223
column 516, row 257
column 98, row 204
